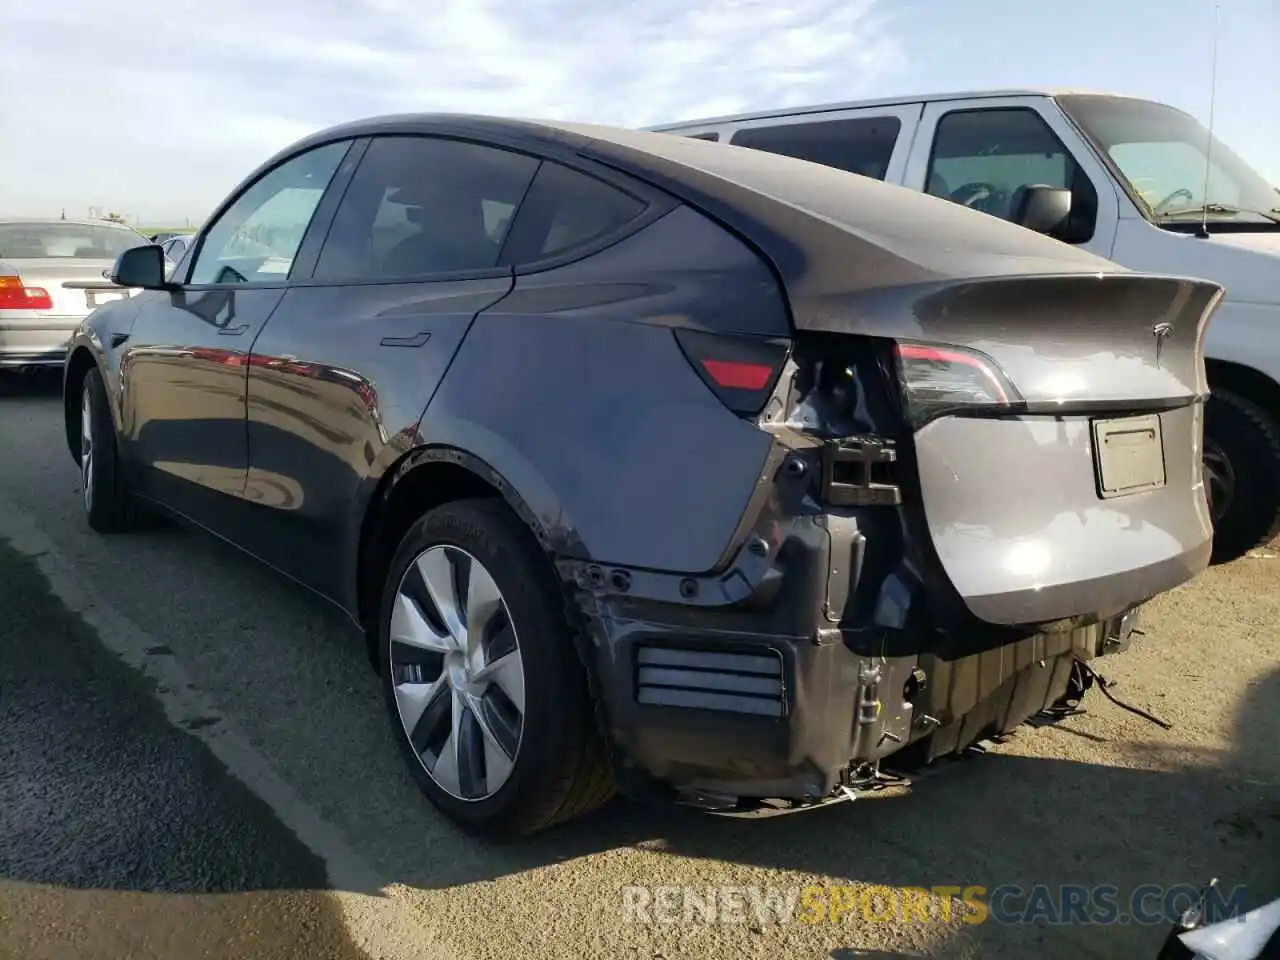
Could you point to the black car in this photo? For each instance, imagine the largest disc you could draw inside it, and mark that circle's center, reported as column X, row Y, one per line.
column 712, row 474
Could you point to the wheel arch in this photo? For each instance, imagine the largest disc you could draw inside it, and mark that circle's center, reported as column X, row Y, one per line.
column 1248, row 382
column 421, row 480
column 78, row 364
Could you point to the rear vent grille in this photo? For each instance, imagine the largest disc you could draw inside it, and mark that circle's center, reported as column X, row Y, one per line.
column 711, row 680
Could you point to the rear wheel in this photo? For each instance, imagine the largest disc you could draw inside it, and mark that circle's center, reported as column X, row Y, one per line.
column 488, row 699
column 107, row 503
column 1242, row 474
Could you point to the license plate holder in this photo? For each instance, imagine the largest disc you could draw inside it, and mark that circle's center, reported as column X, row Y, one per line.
column 1128, row 455
column 95, row 298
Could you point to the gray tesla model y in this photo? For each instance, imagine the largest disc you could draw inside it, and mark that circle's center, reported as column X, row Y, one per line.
column 711, row 474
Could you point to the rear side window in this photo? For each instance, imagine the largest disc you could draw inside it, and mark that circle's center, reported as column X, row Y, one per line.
column 713, row 136
column 863, row 146
column 566, row 210
column 982, row 159
column 423, row 205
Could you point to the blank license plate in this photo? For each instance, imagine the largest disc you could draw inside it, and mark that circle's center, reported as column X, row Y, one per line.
column 94, row 298
column 1129, row 454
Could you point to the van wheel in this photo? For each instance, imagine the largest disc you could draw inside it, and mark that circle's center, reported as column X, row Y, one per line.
column 108, row 505
column 1242, row 474
column 488, row 699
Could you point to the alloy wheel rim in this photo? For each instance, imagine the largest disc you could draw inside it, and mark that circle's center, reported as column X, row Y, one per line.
column 86, row 449
column 1219, row 480
column 457, row 673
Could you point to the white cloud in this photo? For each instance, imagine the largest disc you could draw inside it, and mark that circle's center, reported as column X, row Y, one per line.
column 158, row 108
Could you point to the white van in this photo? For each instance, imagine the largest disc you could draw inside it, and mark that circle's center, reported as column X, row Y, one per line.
column 1121, row 177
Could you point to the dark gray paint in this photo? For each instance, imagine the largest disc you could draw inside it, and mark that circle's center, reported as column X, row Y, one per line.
column 338, row 380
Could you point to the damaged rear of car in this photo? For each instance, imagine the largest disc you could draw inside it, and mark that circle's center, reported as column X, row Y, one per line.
column 710, row 474
column 983, row 458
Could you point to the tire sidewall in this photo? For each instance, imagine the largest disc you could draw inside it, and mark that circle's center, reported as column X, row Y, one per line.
column 1244, row 437
column 554, row 691
column 102, row 507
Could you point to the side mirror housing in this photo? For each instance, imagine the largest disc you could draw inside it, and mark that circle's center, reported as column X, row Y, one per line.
column 143, row 267
column 1042, row 209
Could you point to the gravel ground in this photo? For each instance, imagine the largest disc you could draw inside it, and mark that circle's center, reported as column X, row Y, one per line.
column 262, row 692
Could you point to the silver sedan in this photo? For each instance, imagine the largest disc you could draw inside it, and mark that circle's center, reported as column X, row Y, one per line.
column 52, row 274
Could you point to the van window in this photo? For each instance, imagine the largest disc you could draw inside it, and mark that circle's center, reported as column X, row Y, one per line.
column 862, row 146
column 982, row 157
column 1162, row 153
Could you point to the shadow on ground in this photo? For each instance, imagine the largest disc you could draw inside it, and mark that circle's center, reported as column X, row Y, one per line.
column 41, row 383
column 1169, row 818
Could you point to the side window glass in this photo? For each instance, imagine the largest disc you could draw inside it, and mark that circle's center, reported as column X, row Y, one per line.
column 257, row 237
column 863, row 146
column 421, row 205
column 983, row 158
column 565, row 209
column 712, row 136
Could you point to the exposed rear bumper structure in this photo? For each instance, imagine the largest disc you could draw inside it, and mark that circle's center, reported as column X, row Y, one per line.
column 817, row 654
column 794, row 719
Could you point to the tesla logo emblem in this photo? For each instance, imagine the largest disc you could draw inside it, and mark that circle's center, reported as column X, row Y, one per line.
column 1162, row 332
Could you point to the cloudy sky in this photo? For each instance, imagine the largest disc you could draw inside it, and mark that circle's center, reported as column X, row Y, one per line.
column 156, row 109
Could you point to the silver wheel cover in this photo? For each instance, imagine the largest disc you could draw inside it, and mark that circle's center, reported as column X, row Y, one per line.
column 86, row 448
column 457, row 673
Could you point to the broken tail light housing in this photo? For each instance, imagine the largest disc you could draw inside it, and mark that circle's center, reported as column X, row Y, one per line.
column 941, row 380
column 15, row 295
column 740, row 371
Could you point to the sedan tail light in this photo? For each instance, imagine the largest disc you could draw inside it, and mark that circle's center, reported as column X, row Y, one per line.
column 15, row 295
column 940, row 380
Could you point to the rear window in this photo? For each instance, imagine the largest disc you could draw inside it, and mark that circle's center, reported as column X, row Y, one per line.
column 71, row 241
column 863, row 146
column 563, row 211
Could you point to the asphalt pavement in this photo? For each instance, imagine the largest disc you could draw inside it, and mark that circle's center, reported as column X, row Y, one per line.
column 195, row 762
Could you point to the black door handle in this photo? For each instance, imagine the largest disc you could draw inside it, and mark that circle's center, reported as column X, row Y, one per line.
column 233, row 331
column 416, row 340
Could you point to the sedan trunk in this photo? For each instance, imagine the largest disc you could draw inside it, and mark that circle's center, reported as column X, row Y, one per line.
column 69, row 303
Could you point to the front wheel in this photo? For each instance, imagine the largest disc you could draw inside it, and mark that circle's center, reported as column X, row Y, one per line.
column 1242, row 474
column 108, row 505
column 488, row 699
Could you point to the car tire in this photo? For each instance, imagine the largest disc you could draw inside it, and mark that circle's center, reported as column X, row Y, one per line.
column 559, row 768
column 1242, row 474
column 108, row 505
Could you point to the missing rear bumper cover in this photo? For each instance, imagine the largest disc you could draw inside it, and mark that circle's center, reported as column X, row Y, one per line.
column 857, row 472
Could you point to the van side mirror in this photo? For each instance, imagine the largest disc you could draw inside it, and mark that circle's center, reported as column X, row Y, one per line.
column 141, row 267
column 1042, row 209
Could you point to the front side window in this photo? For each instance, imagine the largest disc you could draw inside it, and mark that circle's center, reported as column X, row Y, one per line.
column 983, row 159
column 1164, row 154
column 863, row 146
column 423, row 205
column 258, row 236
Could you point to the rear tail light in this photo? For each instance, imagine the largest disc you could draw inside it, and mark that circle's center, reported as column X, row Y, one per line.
column 14, row 295
column 940, row 380
column 740, row 371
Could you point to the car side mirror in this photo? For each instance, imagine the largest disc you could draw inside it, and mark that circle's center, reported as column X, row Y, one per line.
column 1042, row 209
column 141, row 267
